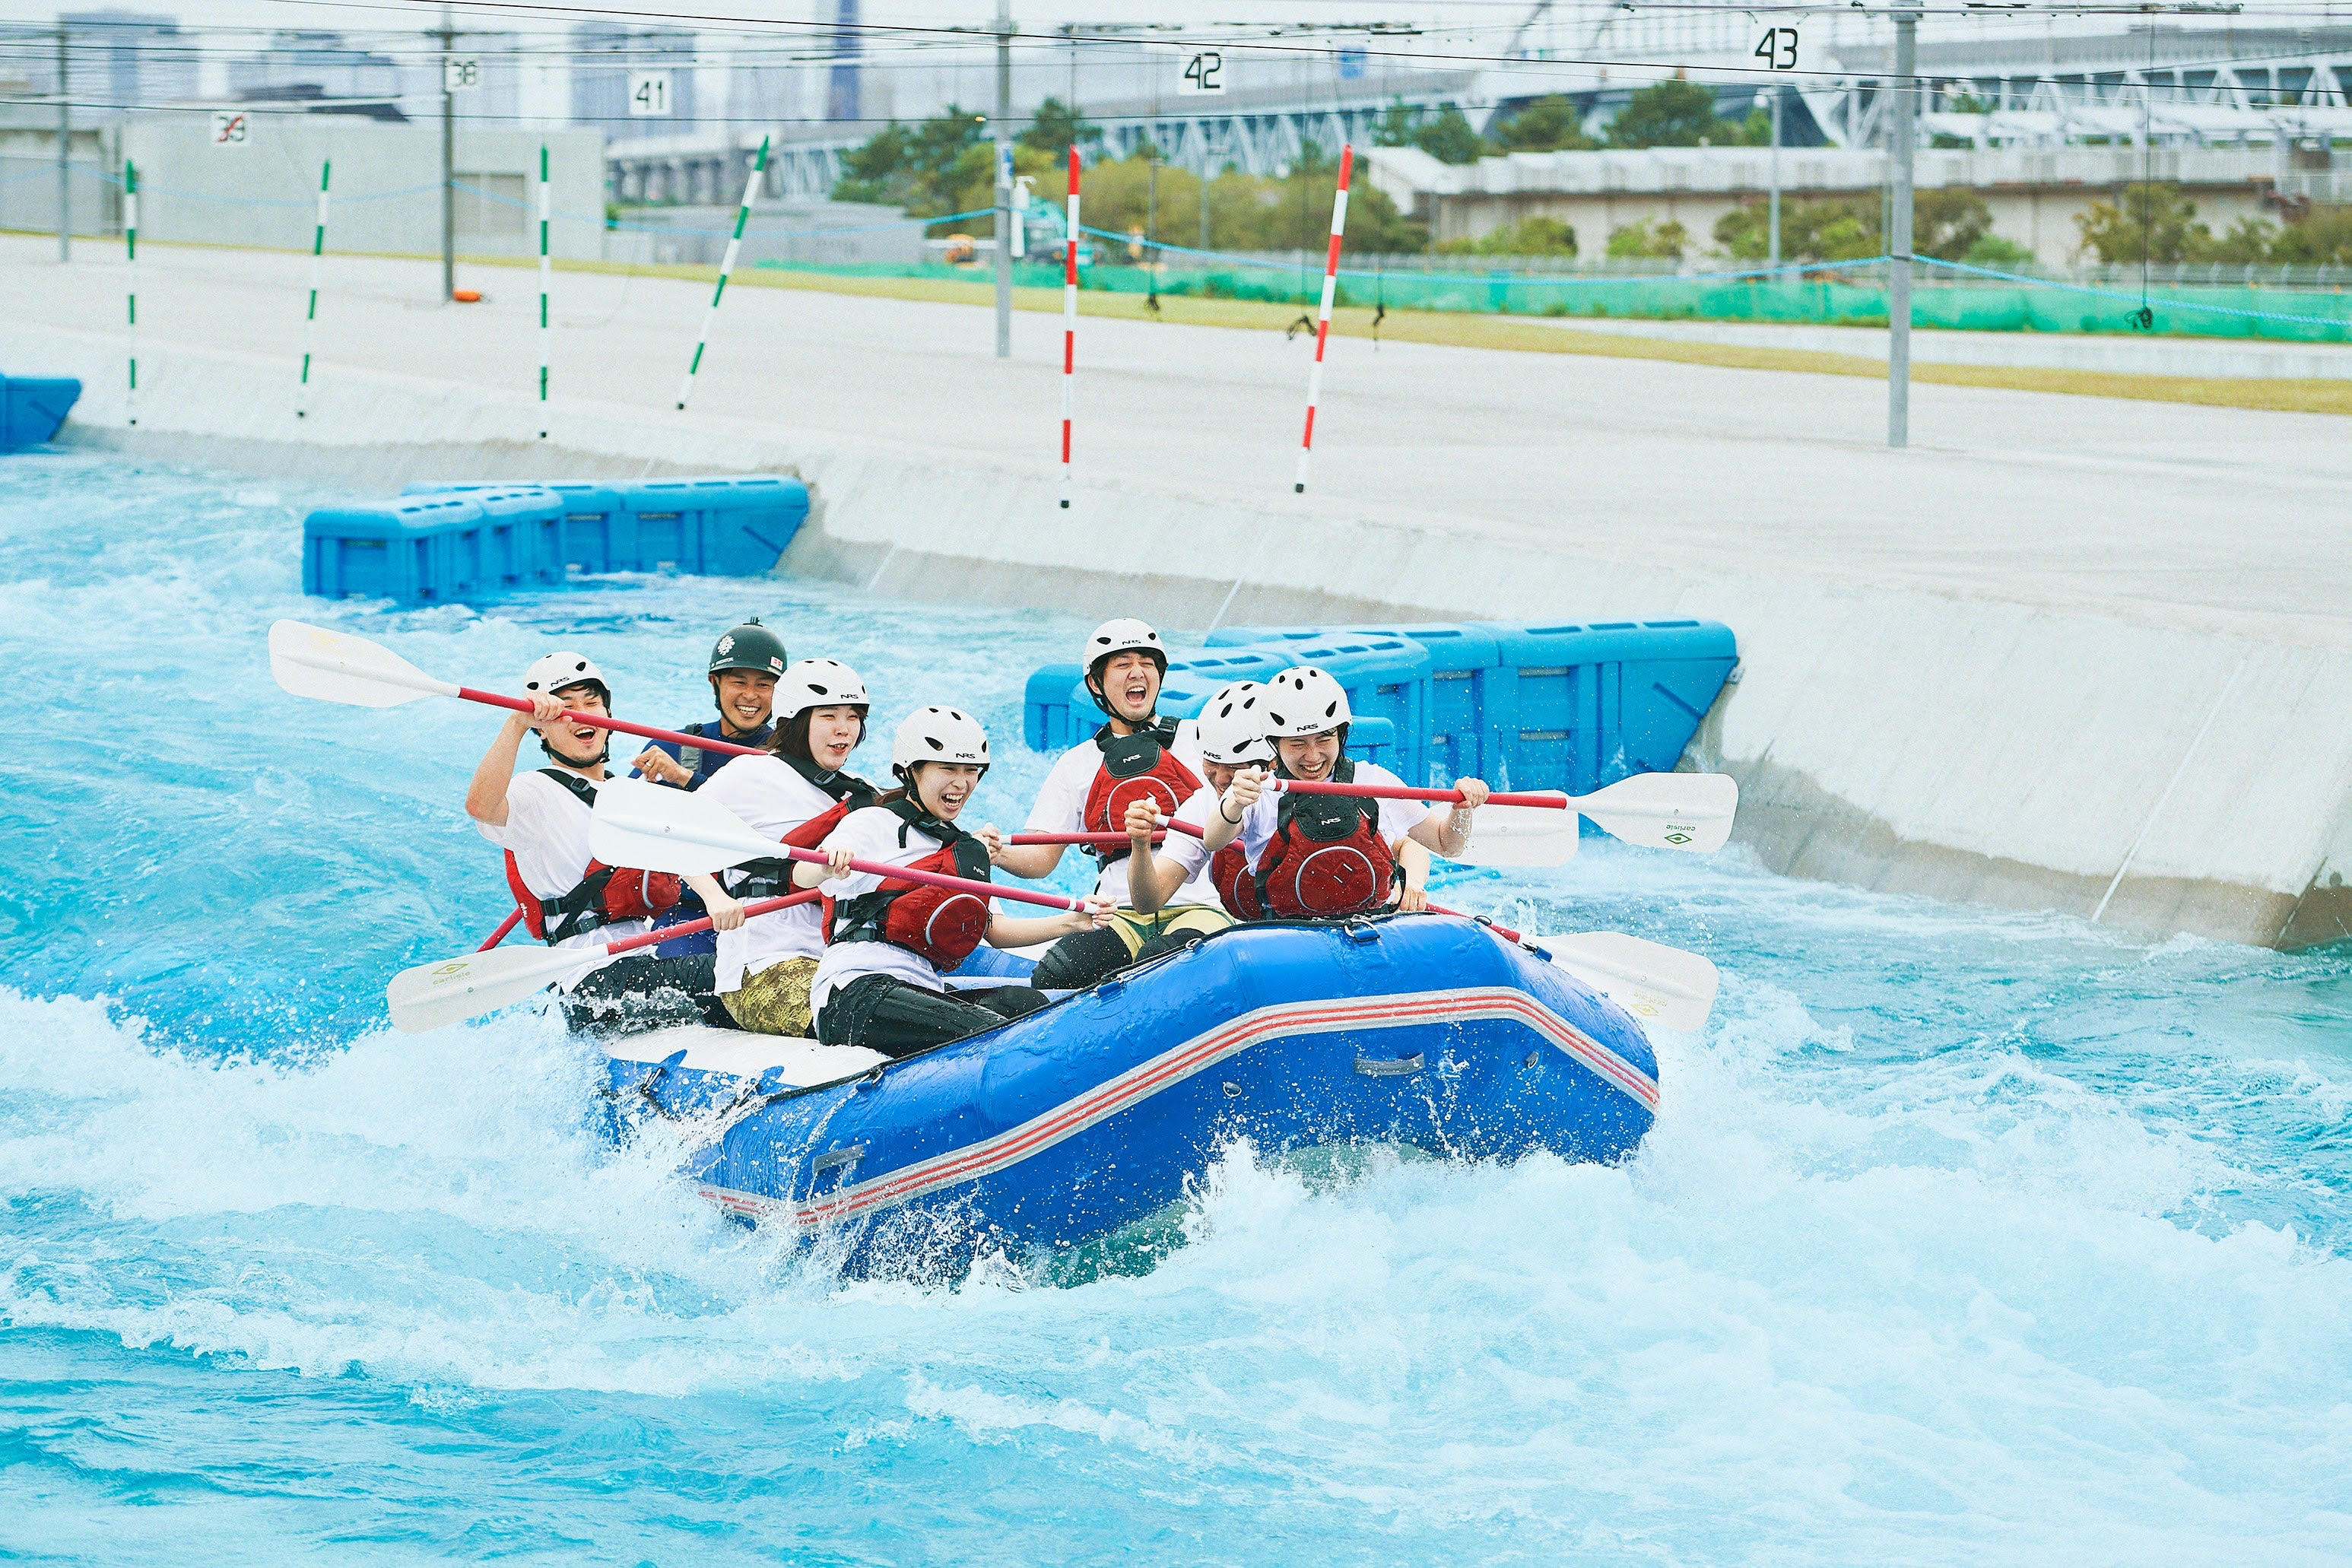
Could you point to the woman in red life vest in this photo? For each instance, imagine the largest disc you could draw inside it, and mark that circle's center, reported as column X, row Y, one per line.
column 1136, row 756
column 1232, row 736
column 888, row 942
column 797, row 793
column 1326, row 856
column 568, row 898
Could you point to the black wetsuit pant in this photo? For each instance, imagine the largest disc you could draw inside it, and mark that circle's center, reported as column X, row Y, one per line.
column 631, row 995
column 1089, row 957
column 884, row 1013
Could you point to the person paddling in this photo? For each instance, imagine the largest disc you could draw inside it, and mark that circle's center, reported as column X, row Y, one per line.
column 1136, row 756
column 1330, row 857
column 888, row 942
column 568, row 898
column 1232, row 736
column 798, row 794
column 745, row 665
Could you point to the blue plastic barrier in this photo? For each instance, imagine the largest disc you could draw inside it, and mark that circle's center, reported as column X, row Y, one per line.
column 34, row 407
column 1549, row 707
column 524, row 536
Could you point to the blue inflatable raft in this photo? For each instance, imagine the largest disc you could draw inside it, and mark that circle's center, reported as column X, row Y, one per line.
column 1425, row 1031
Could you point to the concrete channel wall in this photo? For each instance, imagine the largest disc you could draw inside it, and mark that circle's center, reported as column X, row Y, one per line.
column 1897, row 740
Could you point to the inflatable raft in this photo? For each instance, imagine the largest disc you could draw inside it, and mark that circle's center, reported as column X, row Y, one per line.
column 1425, row 1031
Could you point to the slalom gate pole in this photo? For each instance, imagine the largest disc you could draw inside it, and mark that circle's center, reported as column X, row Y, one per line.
column 130, row 254
column 726, row 270
column 1323, row 317
column 1069, row 321
column 514, row 918
column 544, row 345
column 310, row 319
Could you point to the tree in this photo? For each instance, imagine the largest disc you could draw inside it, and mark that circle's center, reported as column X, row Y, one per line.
column 1947, row 224
column 2316, row 235
column 926, row 168
column 1449, row 138
column 866, row 170
column 1640, row 242
column 1397, row 126
column 1057, row 127
column 2002, row 255
column 1530, row 236
column 1548, row 124
column 1670, row 114
column 1836, row 228
column 1245, row 213
column 2154, row 221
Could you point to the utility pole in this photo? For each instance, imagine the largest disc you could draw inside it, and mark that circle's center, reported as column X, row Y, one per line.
column 1900, row 137
column 448, row 165
column 1003, row 126
column 65, row 143
column 1776, row 177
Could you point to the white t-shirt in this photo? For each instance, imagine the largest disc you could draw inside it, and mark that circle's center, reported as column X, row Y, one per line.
column 546, row 830
column 772, row 798
column 871, row 834
column 1061, row 808
column 1398, row 817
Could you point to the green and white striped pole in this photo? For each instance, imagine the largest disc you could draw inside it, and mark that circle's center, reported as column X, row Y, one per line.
column 544, row 345
column 310, row 321
column 131, row 253
column 726, row 268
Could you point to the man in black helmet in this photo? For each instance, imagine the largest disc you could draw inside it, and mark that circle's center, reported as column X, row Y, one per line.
column 744, row 665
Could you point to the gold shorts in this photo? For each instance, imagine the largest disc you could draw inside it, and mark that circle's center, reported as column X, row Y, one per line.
column 1135, row 928
column 775, row 1001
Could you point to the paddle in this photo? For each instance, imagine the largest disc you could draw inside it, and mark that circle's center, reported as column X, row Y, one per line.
column 432, row 995
column 1657, row 984
column 335, row 667
column 514, row 918
column 658, row 829
column 1658, row 810
column 1074, row 837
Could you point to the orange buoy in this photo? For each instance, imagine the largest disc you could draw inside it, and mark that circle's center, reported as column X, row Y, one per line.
column 466, row 296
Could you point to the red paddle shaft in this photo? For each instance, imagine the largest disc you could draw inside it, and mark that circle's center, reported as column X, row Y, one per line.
column 938, row 879
column 1073, row 838
column 695, row 928
column 1506, row 933
column 604, row 721
column 1405, row 791
column 506, row 926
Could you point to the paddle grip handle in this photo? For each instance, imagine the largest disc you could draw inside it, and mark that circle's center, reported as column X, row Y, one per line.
column 696, row 928
column 605, row 721
column 1406, row 792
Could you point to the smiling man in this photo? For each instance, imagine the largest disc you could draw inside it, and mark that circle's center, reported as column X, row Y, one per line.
column 1136, row 757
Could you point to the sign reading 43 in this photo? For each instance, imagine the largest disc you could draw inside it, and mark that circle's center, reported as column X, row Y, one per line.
column 1778, row 49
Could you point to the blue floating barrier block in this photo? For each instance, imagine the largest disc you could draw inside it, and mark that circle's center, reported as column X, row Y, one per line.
column 400, row 550
column 1576, row 707
column 1049, row 721
column 32, row 408
column 736, row 527
column 1255, row 637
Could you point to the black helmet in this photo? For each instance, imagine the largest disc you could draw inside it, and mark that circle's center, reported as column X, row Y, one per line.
column 749, row 647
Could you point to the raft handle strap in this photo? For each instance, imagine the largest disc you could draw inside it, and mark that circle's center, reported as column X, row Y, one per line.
column 1388, row 1067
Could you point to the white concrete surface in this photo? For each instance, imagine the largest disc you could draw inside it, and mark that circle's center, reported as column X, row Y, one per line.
column 1972, row 667
column 2230, row 359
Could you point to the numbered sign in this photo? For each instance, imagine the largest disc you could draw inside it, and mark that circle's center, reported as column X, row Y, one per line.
column 649, row 94
column 460, row 73
column 231, row 127
column 1205, row 73
column 1778, row 49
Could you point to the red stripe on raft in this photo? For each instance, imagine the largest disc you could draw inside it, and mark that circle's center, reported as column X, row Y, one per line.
column 1139, row 1083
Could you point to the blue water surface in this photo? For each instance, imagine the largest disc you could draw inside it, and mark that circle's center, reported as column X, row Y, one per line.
column 1962, row 1236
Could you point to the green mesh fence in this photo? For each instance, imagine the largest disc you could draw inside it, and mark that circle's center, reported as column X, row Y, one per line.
column 1853, row 300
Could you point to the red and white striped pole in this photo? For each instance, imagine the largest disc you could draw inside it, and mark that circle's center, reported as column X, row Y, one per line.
column 1323, row 318
column 1069, row 321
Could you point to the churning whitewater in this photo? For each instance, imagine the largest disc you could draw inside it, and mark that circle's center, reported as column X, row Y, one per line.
column 1960, row 1234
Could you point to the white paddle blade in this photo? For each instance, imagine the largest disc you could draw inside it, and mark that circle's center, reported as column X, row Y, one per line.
column 332, row 666
column 1667, row 811
column 1520, row 836
column 1658, row 984
column 654, row 828
column 432, row 995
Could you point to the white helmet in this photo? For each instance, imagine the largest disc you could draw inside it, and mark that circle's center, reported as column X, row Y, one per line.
column 1233, row 727
column 563, row 669
column 1303, row 701
column 937, row 735
column 819, row 683
column 1121, row 636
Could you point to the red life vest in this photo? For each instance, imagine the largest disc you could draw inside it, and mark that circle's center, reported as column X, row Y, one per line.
column 1134, row 767
column 1327, row 858
column 1229, row 871
column 766, row 878
column 604, row 894
column 938, row 924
